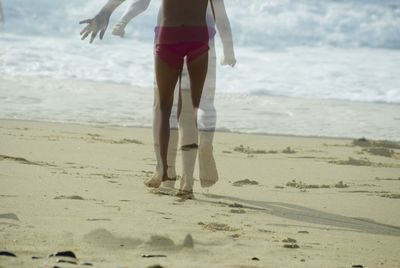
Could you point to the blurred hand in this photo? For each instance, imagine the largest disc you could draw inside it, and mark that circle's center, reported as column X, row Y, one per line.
column 95, row 25
column 119, row 29
column 228, row 60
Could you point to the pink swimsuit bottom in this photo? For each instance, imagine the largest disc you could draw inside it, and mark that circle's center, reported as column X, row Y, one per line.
column 176, row 43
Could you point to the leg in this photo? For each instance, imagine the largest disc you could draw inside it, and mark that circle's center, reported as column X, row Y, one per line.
column 207, row 117
column 187, row 132
column 166, row 78
column 155, row 180
column 189, row 139
column 197, row 70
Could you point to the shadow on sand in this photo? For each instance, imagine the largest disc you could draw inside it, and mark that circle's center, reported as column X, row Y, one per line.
column 312, row 216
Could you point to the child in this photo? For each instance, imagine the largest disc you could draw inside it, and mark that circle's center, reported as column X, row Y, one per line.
column 208, row 173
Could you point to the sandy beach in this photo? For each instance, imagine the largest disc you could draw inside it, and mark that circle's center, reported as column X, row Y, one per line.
column 281, row 201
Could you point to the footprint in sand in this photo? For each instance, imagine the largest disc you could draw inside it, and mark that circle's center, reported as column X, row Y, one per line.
column 9, row 216
column 237, row 211
column 72, row 197
column 24, row 161
column 363, row 142
column 379, row 151
column 164, row 242
column 391, row 196
column 387, row 179
column 363, row 162
column 99, row 219
column 245, row 182
column 104, row 238
column 216, row 226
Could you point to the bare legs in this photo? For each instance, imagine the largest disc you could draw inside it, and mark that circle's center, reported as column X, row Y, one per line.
column 167, row 79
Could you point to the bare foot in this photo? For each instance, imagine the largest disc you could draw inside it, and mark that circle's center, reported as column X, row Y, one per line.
column 207, row 167
column 185, row 194
column 154, row 181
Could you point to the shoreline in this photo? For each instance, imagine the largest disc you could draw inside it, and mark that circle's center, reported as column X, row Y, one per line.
column 87, row 102
column 217, row 131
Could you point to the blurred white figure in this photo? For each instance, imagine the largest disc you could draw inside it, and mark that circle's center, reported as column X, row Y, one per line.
column 206, row 113
column 1, row 14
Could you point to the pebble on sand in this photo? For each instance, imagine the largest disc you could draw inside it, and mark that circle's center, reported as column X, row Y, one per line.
column 7, row 254
column 153, row 256
column 67, row 253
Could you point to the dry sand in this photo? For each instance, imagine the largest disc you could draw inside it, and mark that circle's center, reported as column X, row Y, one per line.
column 319, row 203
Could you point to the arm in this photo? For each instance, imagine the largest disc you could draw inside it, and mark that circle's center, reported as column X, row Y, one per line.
column 100, row 22
column 225, row 32
column 1, row 14
column 133, row 10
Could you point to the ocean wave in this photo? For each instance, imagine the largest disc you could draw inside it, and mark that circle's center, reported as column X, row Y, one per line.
column 266, row 23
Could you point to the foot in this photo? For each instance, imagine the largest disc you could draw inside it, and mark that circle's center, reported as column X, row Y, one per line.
column 207, row 168
column 183, row 194
column 168, row 182
column 154, row 181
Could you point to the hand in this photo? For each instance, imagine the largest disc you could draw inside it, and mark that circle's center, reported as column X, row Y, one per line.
column 95, row 25
column 119, row 28
column 228, row 60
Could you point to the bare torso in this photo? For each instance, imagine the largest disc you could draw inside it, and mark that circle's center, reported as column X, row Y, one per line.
column 184, row 12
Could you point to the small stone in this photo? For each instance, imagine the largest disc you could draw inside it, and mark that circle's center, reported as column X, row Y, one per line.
column 357, row 266
column 67, row 253
column 153, row 256
column 8, row 254
column 155, row 266
column 255, row 259
column 86, row 264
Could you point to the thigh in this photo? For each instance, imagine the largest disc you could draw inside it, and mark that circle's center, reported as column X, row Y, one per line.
column 197, row 69
column 167, row 78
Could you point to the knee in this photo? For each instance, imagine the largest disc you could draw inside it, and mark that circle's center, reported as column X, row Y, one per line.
column 165, row 108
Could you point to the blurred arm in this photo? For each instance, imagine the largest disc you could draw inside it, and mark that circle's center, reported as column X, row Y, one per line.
column 133, row 10
column 110, row 6
column 225, row 32
column 100, row 22
column 1, row 13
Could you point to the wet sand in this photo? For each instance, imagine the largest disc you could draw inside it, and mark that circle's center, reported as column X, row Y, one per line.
column 280, row 202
